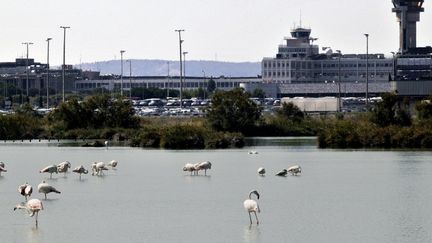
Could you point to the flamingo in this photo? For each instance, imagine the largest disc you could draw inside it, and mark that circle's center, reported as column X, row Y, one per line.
column 98, row 168
column 189, row 167
column 63, row 167
column 33, row 206
column 206, row 165
column 282, row 172
column 252, row 206
column 45, row 188
column 50, row 169
column 25, row 190
column 113, row 163
column 81, row 170
column 261, row 171
column 295, row 170
column 2, row 167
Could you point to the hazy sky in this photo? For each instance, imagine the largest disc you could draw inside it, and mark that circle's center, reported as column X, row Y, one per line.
column 226, row 30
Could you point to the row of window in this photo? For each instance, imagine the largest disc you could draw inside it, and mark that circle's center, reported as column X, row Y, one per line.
column 323, row 65
column 328, row 74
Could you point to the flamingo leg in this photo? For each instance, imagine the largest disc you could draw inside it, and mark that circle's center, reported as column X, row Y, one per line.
column 45, row 197
column 50, row 175
column 250, row 218
column 37, row 213
column 256, row 218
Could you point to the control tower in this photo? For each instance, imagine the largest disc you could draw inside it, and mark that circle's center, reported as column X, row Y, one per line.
column 408, row 14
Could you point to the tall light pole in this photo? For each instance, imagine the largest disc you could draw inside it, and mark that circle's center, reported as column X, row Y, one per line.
column 27, row 66
column 47, row 79
column 64, row 60
column 130, row 78
column 121, row 73
column 204, row 81
column 168, row 78
column 367, row 71
column 339, row 81
column 181, row 68
column 394, row 65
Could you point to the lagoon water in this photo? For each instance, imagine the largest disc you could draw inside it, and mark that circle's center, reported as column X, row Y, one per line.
column 342, row 195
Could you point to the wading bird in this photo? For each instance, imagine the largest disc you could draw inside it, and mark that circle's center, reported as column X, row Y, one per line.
column 206, row 165
column 45, row 188
column 113, row 163
column 33, row 206
column 80, row 170
column 282, row 172
column 295, row 170
column 25, row 190
column 252, row 206
column 2, row 167
column 189, row 167
column 261, row 171
column 63, row 167
column 98, row 168
column 50, row 169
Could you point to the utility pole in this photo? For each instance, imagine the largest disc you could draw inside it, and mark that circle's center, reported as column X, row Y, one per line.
column 130, row 79
column 121, row 73
column 64, row 60
column 181, row 67
column 339, row 82
column 47, row 79
column 168, row 78
column 367, row 71
column 27, row 66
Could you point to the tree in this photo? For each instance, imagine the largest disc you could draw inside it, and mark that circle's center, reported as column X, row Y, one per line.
column 290, row 111
column 424, row 109
column 233, row 111
column 258, row 93
column 211, row 86
column 391, row 111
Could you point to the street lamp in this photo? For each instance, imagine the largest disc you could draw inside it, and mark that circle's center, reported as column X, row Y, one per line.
column 27, row 66
column 47, row 79
column 204, row 81
column 130, row 78
column 64, row 60
column 367, row 71
column 181, row 68
column 339, row 81
column 394, row 65
column 121, row 73
column 168, row 78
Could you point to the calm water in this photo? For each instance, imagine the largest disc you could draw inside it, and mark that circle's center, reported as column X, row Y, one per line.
column 342, row 196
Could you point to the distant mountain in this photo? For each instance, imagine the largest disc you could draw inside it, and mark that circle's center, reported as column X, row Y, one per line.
column 160, row 68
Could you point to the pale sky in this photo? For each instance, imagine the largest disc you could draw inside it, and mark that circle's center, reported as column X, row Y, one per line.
column 226, row 30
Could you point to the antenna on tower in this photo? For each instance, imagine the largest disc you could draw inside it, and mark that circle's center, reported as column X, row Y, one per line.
column 300, row 18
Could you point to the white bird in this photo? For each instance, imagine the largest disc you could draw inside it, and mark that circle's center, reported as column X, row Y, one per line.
column 252, row 206
column 113, row 163
column 50, row 169
column 33, row 206
column 80, row 170
column 2, row 167
column 261, row 171
column 295, row 170
column 253, row 152
column 206, row 165
column 282, row 172
column 98, row 168
column 45, row 188
column 25, row 190
column 63, row 167
column 189, row 167
column 106, row 143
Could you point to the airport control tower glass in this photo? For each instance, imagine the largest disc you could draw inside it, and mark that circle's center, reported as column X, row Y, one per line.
column 408, row 14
